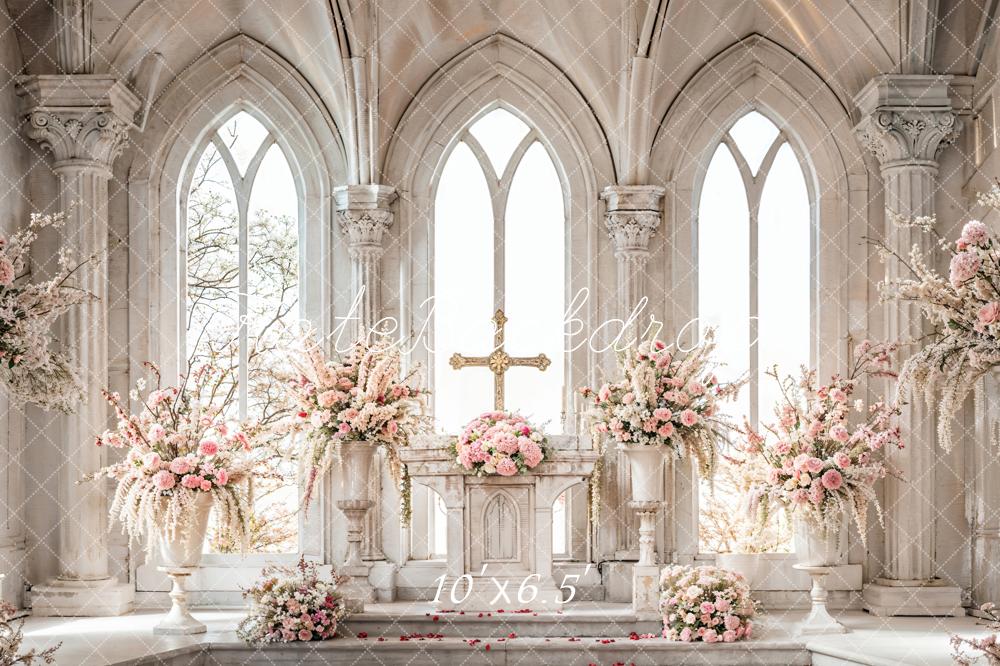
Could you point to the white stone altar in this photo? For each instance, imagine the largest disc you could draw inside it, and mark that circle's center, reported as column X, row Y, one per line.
column 499, row 528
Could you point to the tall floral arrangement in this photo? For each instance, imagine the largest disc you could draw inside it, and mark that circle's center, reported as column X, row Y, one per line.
column 963, row 308
column 705, row 604
column 499, row 443
column 362, row 395
column 293, row 604
column 816, row 462
column 180, row 446
column 30, row 368
column 665, row 398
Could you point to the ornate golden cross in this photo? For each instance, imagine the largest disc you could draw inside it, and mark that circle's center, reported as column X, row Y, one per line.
column 499, row 361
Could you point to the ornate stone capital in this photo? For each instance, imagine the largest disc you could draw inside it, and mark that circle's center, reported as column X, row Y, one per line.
column 632, row 217
column 907, row 119
column 363, row 215
column 83, row 119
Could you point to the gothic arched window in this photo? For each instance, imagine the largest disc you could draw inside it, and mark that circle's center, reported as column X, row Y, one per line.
column 499, row 242
column 242, row 286
column 754, row 270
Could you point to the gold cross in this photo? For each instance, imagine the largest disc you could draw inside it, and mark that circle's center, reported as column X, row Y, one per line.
column 499, row 361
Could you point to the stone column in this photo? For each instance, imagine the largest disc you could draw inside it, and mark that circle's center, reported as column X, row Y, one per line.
column 363, row 214
column 83, row 120
column 906, row 121
column 632, row 216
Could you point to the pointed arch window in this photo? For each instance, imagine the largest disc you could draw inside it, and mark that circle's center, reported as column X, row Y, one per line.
column 499, row 242
column 242, row 285
column 754, row 267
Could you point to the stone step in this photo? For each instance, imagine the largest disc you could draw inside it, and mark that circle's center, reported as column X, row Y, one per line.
column 510, row 652
column 494, row 624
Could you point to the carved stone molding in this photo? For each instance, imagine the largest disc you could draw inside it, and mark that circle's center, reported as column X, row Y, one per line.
column 632, row 217
column 74, row 43
column 83, row 120
column 364, row 229
column 907, row 120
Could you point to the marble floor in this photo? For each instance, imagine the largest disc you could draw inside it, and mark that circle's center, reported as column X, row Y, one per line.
column 539, row 639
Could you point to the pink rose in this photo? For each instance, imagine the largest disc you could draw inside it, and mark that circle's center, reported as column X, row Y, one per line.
column 206, row 485
column 728, row 636
column 842, row 460
column 963, row 268
column 305, row 635
column 506, row 467
column 989, row 313
column 731, row 621
column 192, row 481
column 164, row 480
column 151, row 460
column 840, row 433
column 221, row 476
column 707, row 607
column 686, row 634
column 832, row 480
column 666, row 430
column 208, row 447
column 723, row 605
column 814, row 465
column 711, row 636
column 662, row 414
column 180, row 466
column 689, row 418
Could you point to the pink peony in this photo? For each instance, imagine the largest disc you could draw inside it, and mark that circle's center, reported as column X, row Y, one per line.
column 206, row 485
column 711, row 636
column 707, row 607
column 686, row 634
column 532, row 454
column 840, row 433
column 221, row 477
column 327, row 398
column 506, row 467
column 842, row 460
column 192, row 481
column 814, row 465
column 731, row 621
column 975, row 233
column 989, row 313
column 151, row 460
column 208, row 447
column 832, row 480
column 666, row 430
column 728, row 636
column 164, row 480
column 689, row 418
column 963, row 268
column 180, row 466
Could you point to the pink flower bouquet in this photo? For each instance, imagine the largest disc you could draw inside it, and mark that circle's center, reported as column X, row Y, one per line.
column 816, row 463
column 963, row 308
column 293, row 604
column 665, row 398
column 360, row 396
column 499, row 443
column 180, row 446
column 705, row 604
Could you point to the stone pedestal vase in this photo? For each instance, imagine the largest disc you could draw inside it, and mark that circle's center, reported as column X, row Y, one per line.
column 816, row 548
column 356, row 461
column 646, row 467
column 180, row 558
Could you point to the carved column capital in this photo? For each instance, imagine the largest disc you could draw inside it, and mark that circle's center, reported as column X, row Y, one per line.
column 363, row 215
column 907, row 120
column 82, row 119
column 632, row 217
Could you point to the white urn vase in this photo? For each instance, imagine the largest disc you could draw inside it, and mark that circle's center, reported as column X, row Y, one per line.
column 816, row 547
column 646, row 468
column 356, row 460
column 180, row 557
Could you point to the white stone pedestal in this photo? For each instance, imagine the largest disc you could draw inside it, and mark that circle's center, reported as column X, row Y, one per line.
column 886, row 597
column 819, row 621
column 178, row 621
column 82, row 598
column 646, row 573
column 357, row 590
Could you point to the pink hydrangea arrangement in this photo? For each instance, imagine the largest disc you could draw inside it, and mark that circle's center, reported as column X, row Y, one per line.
column 705, row 604
column 499, row 443
column 361, row 396
column 963, row 307
column 666, row 397
column 180, row 445
column 293, row 604
column 816, row 462
column 30, row 369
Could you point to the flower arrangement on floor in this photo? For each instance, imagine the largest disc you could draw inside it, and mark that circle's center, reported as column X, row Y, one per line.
column 180, row 447
column 988, row 648
column 499, row 443
column 963, row 309
column 665, row 398
column 11, row 639
column 816, row 464
column 293, row 604
column 32, row 371
column 361, row 396
column 705, row 604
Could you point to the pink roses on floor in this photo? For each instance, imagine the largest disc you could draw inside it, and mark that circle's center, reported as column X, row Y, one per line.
column 705, row 603
column 499, row 443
